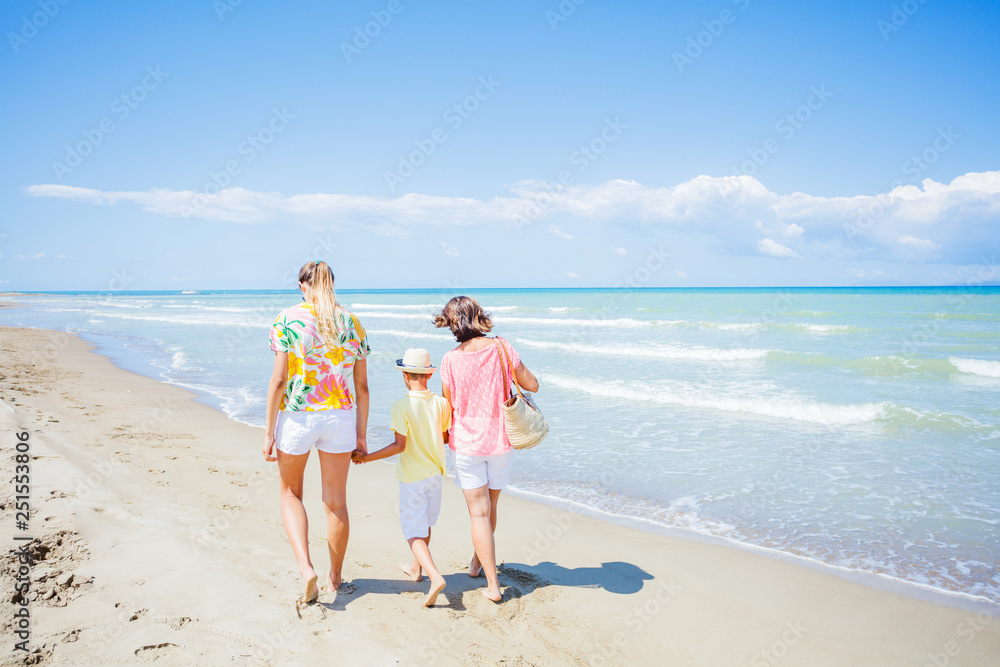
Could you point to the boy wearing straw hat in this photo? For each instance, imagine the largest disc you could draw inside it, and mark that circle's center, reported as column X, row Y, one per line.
column 421, row 420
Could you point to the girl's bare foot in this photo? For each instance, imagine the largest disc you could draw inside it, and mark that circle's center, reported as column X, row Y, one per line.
column 475, row 567
column 490, row 594
column 437, row 585
column 311, row 591
column 415, row 576
column 332, row 584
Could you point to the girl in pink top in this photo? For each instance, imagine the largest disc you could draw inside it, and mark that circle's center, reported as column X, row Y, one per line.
column 472, row 378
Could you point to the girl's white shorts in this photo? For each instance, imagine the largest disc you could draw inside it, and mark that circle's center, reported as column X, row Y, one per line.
column 333, row 431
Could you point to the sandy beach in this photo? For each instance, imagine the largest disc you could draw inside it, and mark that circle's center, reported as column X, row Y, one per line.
column 157, row 536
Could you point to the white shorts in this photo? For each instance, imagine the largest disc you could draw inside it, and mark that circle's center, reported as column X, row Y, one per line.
column 473, row 472
column 333, row 431
column 419, row 506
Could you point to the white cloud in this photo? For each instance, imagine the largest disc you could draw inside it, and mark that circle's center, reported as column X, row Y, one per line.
column 922, row 244
column 680, row 273
column 572, row 275
column 554, row 229
column 621, row 251
column 731, row 208
column 861, row 273
column 449, row 250
column 775, row 249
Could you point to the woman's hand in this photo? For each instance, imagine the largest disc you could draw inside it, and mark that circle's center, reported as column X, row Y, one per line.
column 362, row 445
column 269, row 448
column 359, row 457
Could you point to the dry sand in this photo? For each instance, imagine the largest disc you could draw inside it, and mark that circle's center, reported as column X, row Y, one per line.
column 158, row 537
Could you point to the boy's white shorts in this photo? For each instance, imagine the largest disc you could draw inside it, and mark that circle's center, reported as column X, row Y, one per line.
column 333, row 431
column 419, row 506
column 474, row 472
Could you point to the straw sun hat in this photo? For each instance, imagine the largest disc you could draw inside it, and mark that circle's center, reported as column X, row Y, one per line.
column 415, row 361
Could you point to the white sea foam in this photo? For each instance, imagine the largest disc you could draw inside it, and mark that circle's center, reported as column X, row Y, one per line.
column 391, row 306
column 651, row 351
column 990, row 369
column 410, row 334
column 692, row 396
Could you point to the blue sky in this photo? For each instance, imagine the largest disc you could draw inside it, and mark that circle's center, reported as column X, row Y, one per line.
column 498, row 144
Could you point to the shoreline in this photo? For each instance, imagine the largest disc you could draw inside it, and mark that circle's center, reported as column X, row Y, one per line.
column 163, row 513
column 119, row 356
column 876, row 580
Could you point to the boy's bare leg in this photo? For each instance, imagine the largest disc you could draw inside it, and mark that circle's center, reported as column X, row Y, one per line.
column 475, row 567
column 414, row 571
column 334, row 468
column 423, row 556
column 291, row 469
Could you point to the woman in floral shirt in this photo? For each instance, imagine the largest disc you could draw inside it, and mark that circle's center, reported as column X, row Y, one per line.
column 320, row 352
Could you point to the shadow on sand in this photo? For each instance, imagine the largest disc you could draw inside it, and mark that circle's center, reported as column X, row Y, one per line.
column 518, row 580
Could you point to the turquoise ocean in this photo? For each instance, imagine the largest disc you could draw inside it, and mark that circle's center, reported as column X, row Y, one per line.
column 855, row 427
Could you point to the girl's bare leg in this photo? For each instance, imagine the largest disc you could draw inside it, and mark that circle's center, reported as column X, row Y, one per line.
column 293, row 515
column 475, row 568
column 479, row 504
column 333, row 468
column 422, row 554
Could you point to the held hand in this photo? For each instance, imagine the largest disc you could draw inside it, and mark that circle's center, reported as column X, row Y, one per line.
column 268, row 449
column 362, row 445
column 358, row 457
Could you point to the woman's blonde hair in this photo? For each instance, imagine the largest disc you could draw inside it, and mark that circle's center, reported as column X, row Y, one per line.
column 319, row 277
column 465, row 317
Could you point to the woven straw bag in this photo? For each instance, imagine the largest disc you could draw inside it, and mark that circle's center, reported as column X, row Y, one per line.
column 526, row 426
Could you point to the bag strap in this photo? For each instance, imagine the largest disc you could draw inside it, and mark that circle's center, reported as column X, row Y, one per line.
column 505, row 365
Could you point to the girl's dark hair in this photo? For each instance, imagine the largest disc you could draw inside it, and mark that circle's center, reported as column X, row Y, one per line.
column 465, row 317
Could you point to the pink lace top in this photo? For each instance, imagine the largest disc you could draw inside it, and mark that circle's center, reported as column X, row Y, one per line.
column 476, row 387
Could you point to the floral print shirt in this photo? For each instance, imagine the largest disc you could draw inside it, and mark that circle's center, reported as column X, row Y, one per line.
column 320, row 373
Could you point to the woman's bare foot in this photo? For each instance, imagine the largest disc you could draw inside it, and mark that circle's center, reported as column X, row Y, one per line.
column 311, row 591
column 475, row 567
column 415, row 576
column 332, row 584
column 437, row 585
column 490, row 594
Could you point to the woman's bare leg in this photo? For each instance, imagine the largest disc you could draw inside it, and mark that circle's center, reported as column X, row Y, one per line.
column 475, row 568
column 333, row 468
column 479, row 504
column 293, row 515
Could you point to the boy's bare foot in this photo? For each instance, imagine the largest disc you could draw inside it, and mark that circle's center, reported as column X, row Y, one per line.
column 437, row 585
column 475, row 567
column 332, row 584
column 490, row 594
column 415, row 576
column 311, row 591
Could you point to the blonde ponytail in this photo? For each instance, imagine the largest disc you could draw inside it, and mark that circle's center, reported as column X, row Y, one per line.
column 319, row 277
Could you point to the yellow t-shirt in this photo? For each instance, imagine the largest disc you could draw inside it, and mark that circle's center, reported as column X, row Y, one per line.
column 423, row 417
